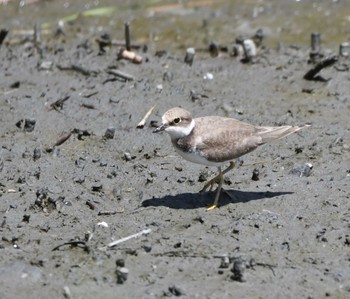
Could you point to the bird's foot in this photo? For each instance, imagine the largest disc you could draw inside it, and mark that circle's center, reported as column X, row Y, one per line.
column 215, row 205
column 212, row 207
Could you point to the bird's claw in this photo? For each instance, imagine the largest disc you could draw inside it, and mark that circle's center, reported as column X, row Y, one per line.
column 212, row 207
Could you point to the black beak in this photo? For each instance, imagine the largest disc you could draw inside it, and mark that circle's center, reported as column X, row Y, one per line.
column 161, row 128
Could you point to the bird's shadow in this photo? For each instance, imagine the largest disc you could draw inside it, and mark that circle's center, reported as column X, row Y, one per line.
column 200, row 200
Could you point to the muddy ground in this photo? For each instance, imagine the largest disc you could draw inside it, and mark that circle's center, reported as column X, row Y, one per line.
column 285, row 235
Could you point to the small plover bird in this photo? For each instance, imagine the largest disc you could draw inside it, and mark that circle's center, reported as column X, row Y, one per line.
column 216, row 140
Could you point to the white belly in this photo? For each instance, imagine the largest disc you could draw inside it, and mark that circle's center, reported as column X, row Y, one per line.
column 195, row 157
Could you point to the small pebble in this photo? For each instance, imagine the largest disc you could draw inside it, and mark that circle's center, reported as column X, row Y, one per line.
column 127, row 156
column 203, row 176
column 258, row 37
column 299, row 149
column 208, row 76
column 67, row 203
column 109, row 134
column 15, row 84
column 66, row 292
column 176, row 291
column 80, row 162
column 26, row 125
column 79, row 179
column 102, row 224
column 214, row 49
column 147, row 248
column 190, row 53
column 117, row 193
column 149, row 179
column 249, row 49
column 120, row 262
column 181, row 180
column 26, row 218
column 255, row 176
column 344, row 49
column 237, row 51
column 90, row 204
column 225, row 262
column 302, row 171
column 285, row 246
column 21, row 180
column 122, row 274
column 97, row 188
column 159, row 87
column 103, row 163
column 45, row 66
column 168, row 76
column 56, row 152
column 37, row 153
column 238, row 270
column 195, row 96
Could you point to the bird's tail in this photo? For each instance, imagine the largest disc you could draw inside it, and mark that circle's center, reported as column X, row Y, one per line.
column 269, row 134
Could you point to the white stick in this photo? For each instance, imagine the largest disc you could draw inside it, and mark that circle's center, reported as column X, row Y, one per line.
column 116, row 242
column 143, row 121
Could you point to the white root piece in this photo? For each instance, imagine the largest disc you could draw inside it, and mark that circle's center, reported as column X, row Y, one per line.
column 116, row 242
column 147, row 115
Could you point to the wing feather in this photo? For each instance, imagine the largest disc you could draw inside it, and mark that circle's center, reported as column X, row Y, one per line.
column 228, row 139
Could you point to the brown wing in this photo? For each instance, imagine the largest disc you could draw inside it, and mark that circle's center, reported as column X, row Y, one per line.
column 227, row 140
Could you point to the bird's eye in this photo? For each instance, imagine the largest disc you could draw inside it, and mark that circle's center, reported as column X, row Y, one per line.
column 177, row 120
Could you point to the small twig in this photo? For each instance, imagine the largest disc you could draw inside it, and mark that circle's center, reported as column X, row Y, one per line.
column 116, row 242
column 315, row 42
column 122, row 75
column 37, row 34
column 127, row 36
column 9, row 91
column 63, row 138
column 180, row 253
column 37, row 39
column 142, row 123
column 58, row 104
column 108, row 213
column 76, row 68
column 327, row 62
column 73, row 243
column 88, row 106
column 90, row 94
column 120, row 43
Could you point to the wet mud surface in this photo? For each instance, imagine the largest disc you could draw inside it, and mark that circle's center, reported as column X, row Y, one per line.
column 76, row 175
